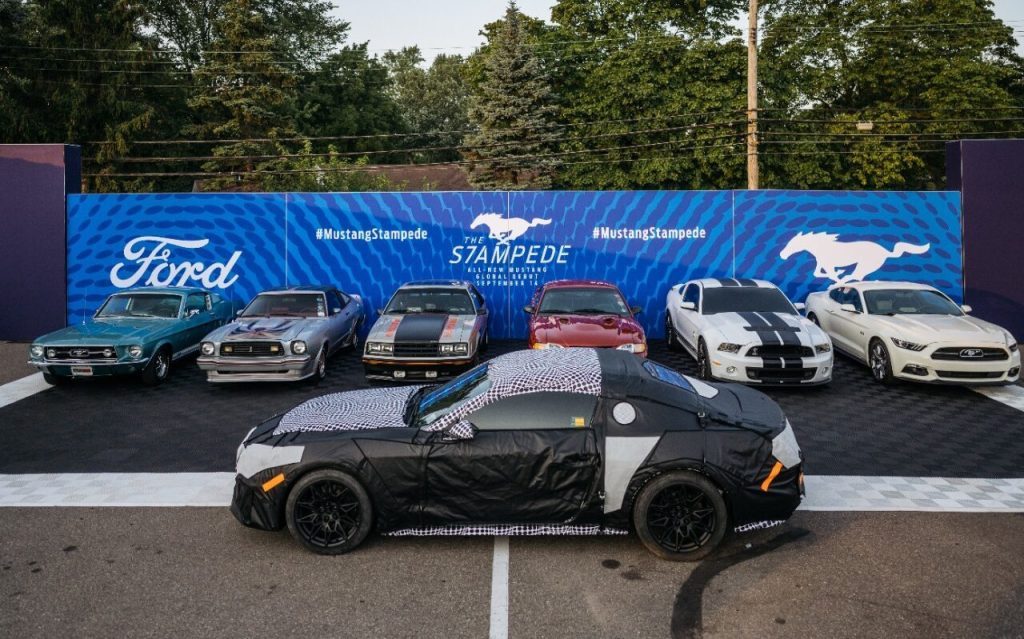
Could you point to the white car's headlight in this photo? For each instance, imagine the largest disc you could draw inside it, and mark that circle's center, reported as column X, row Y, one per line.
column 135, row 351
column 632, row 348
column 543, row 345
column 206, row 348
column 910, row 346
column 298, row 347
column 726, row 347
column 823, row 348
column 36, row 350
column 379, row 347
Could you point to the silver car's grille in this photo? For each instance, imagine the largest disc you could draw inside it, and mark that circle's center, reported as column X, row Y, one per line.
column 416, row 349
column 251, row 349
column 81, row 353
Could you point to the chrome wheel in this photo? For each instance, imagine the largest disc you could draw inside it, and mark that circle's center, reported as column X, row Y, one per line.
column 879, row 362
column 161, row 365
column 321, row 364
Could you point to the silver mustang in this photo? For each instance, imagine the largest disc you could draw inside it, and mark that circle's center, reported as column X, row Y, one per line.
column 429, row 330
column 284, row 334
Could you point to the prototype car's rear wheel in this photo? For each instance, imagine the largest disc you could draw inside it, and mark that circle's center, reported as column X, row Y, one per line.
column 329, row 512
column 680, row 516
column 880, row 363
column 670, row 334
column 158, row 368
column 703, row 361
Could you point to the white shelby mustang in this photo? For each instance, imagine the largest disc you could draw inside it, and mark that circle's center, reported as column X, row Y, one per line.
column 747, row 331
column 904, row 330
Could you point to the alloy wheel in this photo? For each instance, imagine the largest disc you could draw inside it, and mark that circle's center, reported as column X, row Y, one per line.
column 681, row 518
column 327, row 514
column 161, row 365
column 879, row 361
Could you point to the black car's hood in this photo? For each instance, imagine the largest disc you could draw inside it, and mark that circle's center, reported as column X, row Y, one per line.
column 367, row 409
column 746, row 408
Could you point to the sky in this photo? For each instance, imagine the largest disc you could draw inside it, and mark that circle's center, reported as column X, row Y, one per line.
column 453, row 26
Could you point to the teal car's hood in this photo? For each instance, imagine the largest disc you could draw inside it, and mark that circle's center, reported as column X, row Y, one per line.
column 110, row 331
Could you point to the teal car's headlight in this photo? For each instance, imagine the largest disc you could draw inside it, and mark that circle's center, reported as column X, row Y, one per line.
column 206, row 348
column 135, row 351
column 51, row 353
column 36, row 350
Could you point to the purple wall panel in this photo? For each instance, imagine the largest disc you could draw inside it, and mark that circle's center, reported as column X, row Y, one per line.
column 32, row 236
column 990, row 175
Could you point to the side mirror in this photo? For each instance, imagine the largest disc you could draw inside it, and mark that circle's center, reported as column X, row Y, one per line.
column 849, row 308
column 380, row 311
column 482, row 310
column 529, row 310
column 635, row 310
column 463, row 431
column 800, row 306
column 191, row 312
column 689, row 306
column 966, row 308
column 336, row 310
column 239, row 312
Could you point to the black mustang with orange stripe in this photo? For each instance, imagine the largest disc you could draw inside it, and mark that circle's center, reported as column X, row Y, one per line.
column 429, row 330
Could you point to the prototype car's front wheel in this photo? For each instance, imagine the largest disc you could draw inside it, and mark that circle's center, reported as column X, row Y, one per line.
column 329, row 512
column 680, row 516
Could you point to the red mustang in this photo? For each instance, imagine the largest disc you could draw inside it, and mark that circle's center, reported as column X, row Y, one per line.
column 583, row 313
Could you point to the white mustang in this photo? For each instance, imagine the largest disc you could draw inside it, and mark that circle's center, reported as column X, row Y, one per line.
column 833, row 256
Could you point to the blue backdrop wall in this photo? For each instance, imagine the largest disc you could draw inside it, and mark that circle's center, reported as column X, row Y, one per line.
column 508, row 243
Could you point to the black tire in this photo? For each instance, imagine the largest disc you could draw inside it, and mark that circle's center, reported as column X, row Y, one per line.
column 354, row 341
column 55, row 380
column 485, row 343
column 320, row 368
column 158, row 369
column 670, row 334
column 703, row 361
column 329, row 512
column 880, row 363
column 680, row 516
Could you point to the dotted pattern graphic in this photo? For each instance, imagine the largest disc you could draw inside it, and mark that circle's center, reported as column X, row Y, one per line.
column 354, row 410
column 505, row 530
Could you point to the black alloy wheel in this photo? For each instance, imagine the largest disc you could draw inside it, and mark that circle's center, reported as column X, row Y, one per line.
column 878, row 360
column 328, row 512
column 680, row 516
column 703, row 361
column 670, row 334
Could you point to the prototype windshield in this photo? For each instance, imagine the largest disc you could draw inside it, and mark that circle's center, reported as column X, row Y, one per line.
column 583, row 301
column 286, row 305
column 431, row 300
column 667, row 375
column 430, row 405
column 909, row 302
column 141, row 305
column 745, row 299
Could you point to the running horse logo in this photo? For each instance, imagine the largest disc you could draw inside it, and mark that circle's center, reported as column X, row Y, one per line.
column 846, row 261
column 503, row 229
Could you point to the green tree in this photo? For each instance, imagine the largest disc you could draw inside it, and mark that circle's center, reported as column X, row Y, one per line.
column 244, row 96
column 513, row 109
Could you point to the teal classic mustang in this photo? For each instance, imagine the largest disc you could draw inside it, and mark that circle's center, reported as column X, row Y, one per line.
column 140, row 330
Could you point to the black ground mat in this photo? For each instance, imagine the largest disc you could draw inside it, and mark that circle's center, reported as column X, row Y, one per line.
column 851, row 427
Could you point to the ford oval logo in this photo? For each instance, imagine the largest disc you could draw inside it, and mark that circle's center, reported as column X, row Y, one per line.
column 80, row 352
column 972, row 353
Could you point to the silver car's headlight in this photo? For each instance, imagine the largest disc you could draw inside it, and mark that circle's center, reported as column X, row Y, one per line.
column 379, row 347
column 36, row 350
column 823, row 348
column 207, row 348
column 135, row 351
column 632, row 348
column 784, row 447
column 910, row 346
column 726, row 347
column 460, row 348
column 299, row 347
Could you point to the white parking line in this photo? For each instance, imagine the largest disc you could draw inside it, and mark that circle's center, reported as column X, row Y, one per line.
column 21, row 388
column 499, row 589
column 824, row 492
column 1012, row 395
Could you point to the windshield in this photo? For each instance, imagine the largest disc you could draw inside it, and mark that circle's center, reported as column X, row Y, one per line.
column 667, row 375
column 290, row 305
column 745, row 299
column 431, row 300
column 429, row 405
column 909, row 302
column 141, row 305
column 583, row 301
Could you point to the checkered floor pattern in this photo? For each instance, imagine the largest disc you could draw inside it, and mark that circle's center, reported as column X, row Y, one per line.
column 852, row 427
column 830, row 493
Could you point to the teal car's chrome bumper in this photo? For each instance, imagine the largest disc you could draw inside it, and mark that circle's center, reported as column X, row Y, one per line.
column 90, row 369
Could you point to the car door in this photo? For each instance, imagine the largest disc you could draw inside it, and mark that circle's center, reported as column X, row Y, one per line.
column 341, row 319
column 533, row 459
column 846, row 327
column 689, row 320
column 199, row 320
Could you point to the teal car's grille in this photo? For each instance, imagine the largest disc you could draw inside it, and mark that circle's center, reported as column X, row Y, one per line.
column 251, row 349
column 80, row 353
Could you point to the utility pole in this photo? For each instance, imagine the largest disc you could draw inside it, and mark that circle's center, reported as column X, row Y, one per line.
column 753, row 176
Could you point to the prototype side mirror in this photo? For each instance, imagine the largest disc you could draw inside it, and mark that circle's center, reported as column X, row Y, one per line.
column 462, row 431
column 689, row 306
column 529, row 310
column 966, row 308
column 849, row 308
